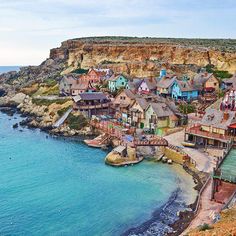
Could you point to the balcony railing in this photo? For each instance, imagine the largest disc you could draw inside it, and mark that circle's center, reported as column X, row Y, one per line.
column 196, row 130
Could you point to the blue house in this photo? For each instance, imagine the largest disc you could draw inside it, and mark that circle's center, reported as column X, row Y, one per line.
column 184, row 90
column 117, row 82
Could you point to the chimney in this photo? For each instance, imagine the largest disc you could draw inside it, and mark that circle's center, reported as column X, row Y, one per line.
column 226, row 116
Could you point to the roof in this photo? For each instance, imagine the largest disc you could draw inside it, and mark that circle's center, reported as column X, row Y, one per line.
column 129, row 93
column 93, row 96
column 134, row 83
column 161, row 109
column 115, row 77
column 119, row 149
column 150, row 82
column 81, row 85
column 166, row 82
column 231, row 80
column 215, row 118
column 200, row 79
column 142, row 103
column 70, row 79
column 186, row 86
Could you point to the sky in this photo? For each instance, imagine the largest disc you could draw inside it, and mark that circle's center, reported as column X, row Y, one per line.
column 30, row 28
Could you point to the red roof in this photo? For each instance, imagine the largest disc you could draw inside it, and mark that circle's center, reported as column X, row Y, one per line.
column 232, row 126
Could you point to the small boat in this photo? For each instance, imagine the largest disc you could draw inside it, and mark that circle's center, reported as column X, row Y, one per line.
column 187, row 144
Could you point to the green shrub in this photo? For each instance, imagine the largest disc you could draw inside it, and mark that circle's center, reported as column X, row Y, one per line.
column 80, row 71
column 205, row 227
column 76, row 122
column 187, row 108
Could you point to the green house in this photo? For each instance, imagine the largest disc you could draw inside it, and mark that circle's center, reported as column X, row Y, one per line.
column 117, row 82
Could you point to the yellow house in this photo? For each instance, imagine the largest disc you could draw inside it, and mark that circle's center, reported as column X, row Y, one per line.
column 159, row 115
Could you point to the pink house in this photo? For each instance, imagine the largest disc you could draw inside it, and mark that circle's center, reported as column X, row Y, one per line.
column 147, row 86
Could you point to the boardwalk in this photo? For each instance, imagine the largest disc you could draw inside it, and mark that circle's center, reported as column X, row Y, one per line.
column 117, row 131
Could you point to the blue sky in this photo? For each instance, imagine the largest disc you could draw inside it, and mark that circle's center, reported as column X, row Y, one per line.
column 29, row 28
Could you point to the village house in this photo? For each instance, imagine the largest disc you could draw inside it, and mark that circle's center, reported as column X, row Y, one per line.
column 117, row 82
column 184, row 90
column 122, row 103
column 164, row 85
column 147, row 86
column 93, row 76
column 65, row 84
column 215, row 129
column 158, row 115
column 81, row 86
column 230, row 83
column 133, row 84
column 89, row 104
column 137, row 112
column 207, row 83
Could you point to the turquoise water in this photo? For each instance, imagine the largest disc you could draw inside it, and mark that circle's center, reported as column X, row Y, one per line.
column 4, row 69
column 51, row 186
column 229, row 166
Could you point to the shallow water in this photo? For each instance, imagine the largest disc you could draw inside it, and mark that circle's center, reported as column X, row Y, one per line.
column 52, row 186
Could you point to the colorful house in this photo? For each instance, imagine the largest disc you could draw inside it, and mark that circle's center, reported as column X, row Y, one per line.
column 159, row 115
column 122, row 103
column 137, row 112
column 206, row 82
column 147, row 86
column 184, row 90
column 117, row 82
column 215, row 129
column 95, row 103
column 164, row 85
column 81, row 86
column 66, row 83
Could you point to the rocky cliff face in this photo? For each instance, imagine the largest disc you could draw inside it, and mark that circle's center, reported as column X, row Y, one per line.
column 140, row 57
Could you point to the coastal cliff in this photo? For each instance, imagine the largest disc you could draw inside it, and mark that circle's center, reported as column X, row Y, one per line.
column 145, row 56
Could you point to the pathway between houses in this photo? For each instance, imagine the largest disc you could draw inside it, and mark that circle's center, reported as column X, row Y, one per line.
column 204, row 162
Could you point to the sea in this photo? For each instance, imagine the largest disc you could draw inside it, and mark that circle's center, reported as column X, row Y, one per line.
column 4, row 69
column 57, row 186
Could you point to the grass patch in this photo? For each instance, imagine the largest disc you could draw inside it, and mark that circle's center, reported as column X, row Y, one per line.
column 46, row 102
column 76, row 122
column 220, row 74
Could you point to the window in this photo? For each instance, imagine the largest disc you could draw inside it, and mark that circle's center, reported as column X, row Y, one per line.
column 123, row 83
column 215, row 84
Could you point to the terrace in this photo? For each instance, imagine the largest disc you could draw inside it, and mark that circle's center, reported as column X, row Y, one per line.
column 197, row 131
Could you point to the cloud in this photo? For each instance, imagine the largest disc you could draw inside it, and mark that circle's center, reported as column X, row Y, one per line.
column 38, row 25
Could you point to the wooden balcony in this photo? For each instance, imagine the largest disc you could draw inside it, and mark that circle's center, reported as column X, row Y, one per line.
column 196, row 130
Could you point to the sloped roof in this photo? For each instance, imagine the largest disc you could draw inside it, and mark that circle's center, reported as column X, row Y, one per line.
column 200, row 79
column 215, row 118
column 93, row 96
column 115, row 77
column 134, row 83
column 142, row 102
column 81, row 85
column 166, row 82
column 161, row 109
column 186, row 86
